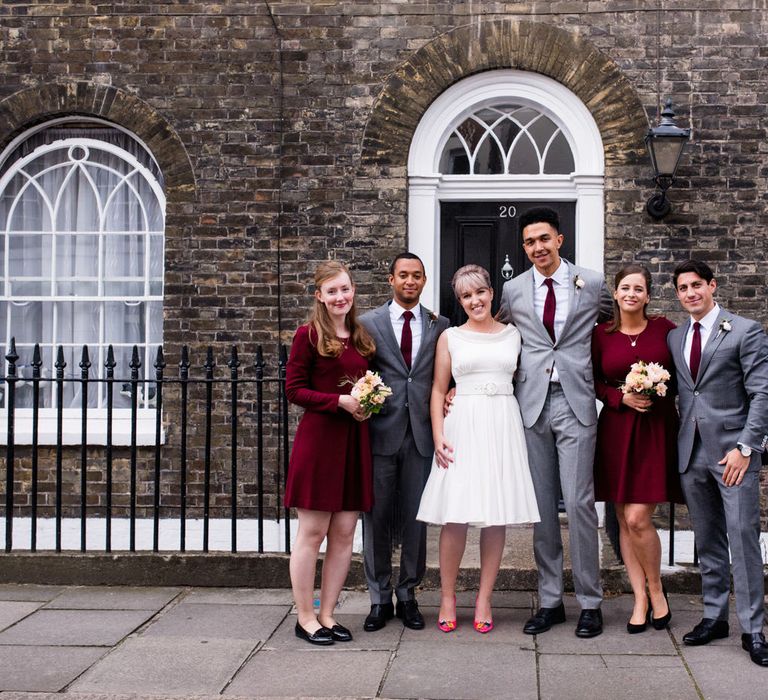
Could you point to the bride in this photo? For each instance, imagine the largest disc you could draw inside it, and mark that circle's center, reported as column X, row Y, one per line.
column 480, row 473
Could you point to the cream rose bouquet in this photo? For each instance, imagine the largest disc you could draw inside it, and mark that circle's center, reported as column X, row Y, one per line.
column 371, row 392
column 649, row 378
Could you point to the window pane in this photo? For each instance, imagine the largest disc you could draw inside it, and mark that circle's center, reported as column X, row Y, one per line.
column 29, row 256
column 125, row 322
column 77, row 322
column 124, row 255
column 524, row 158
column 506, row 132
column 454, row 160
column 77, row 287
column 31, row 321
column 541, row 131
column 559, row 157
column 488, row 160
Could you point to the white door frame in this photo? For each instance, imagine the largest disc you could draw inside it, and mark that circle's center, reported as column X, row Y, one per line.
column 427, row 187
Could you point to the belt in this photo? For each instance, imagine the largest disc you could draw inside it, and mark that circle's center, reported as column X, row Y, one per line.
column 484, row 389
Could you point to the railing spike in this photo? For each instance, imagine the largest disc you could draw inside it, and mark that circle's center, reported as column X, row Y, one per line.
column 160, row 361
column 85, row 361
column 135, row 362
column 60, row 363
column 233, row 361
column 110, row 363
column 12, row 355
column 37, row 359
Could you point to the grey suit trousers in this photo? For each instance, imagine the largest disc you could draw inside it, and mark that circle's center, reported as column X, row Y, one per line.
column 724, row 515
column 561, row 451
column 397, row 478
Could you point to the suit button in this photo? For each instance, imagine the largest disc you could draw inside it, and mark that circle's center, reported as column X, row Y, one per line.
column 695, row 393
column 410, row 379
column 548, row 371
column 406, row 404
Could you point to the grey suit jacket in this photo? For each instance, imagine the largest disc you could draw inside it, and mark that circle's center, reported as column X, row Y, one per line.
column 410, row 389
column 728, row 402
column 588, row 304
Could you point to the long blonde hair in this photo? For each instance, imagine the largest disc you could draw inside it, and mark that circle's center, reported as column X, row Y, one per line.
column 328, row 345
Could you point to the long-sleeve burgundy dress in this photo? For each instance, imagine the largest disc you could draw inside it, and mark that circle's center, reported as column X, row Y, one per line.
column 636, row 453
column 330, row 467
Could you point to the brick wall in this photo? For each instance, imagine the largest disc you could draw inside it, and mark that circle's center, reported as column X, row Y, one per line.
column 283, row 127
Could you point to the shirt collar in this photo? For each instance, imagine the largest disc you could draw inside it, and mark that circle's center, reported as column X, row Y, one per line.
column 709, row 320
column 396, row 311
column 559, row 276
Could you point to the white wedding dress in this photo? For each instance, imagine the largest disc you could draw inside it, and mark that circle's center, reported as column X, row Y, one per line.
column 489, row 481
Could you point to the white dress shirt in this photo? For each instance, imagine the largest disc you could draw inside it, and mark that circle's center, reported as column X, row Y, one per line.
column 562, row 288
column 707, row 324
column 396, row 317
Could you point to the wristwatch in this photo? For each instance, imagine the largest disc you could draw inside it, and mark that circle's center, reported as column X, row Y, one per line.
column 746, row 450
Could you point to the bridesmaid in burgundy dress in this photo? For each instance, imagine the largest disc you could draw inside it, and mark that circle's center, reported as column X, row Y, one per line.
column 329, row 475
column 635, row 455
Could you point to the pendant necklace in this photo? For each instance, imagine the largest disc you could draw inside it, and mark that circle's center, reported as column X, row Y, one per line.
column 633, row 341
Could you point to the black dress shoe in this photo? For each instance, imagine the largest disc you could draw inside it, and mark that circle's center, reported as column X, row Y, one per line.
column 756, row 646
column 590, row 623
column 707, row 630
column 408, row 612
column 660, row 623
column 322, row 637
column 377, row 618
column 544, row 619
column 339, row 633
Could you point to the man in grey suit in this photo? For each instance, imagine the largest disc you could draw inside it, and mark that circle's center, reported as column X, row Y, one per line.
column 555, row 305
column 722, row 375
column 405, row 333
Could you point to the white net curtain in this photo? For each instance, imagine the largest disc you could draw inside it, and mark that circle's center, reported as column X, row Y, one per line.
column 82, row 219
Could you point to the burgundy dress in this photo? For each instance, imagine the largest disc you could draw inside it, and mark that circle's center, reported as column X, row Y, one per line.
column 330, row 467
column 636, row 453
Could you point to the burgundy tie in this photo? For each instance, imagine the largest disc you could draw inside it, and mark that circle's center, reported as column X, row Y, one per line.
column 549, row 309
column 406, row 339
column 695, row 350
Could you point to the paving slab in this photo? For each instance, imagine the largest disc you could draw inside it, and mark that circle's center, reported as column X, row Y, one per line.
column 13, row 611
column 44, row 668
column 240, row 596
column 330, row 672
column 113, row 598
column 12, row 591
column 386, row 639
column 163, row 666
column 451, row 669
column 585, row 677
column 217, row 621
column 74, row 627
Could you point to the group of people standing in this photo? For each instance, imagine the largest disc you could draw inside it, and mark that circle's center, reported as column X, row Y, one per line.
column 492, row 422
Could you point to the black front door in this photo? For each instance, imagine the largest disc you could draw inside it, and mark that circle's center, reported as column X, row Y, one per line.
column 486, row 233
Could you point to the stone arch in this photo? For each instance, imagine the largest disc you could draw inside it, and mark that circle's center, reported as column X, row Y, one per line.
column 32, row 106
column 507, row 43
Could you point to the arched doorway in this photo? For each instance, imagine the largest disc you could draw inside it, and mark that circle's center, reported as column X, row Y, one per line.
column 489, row 147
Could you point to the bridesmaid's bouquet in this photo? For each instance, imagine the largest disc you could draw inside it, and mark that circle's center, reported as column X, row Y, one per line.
column 646, row 378
column 370, row 391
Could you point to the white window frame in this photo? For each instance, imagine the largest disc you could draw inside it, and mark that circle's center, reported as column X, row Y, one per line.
column 72, row 417
column 427, row 187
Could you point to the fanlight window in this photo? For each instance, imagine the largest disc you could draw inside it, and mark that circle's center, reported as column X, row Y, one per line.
column 507, row 139
column 82, row 218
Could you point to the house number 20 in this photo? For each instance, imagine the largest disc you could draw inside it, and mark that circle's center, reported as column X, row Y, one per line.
column 507, row 211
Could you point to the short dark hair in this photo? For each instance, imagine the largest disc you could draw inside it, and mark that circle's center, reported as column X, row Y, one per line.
column 540, row 215
column 700, row 268
column 406, row 255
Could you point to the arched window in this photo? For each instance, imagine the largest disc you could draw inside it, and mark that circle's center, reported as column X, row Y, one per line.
column 507, row 139
column 82, row 220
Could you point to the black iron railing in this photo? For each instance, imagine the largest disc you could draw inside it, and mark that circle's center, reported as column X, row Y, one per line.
column 246, row 405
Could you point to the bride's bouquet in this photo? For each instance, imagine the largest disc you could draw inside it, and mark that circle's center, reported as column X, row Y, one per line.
column 646, row 378
column 370, row 391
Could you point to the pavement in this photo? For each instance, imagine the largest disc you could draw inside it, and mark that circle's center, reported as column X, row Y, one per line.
column 123, row 642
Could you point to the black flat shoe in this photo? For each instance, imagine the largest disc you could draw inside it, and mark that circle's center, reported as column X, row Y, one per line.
column 756, row 646
column 377, row 618
column 408, row 612
column 544, row 619
column 590, row 623
column 660, row 623
column 339, row 633
column 322, row 637
column 707, row 630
